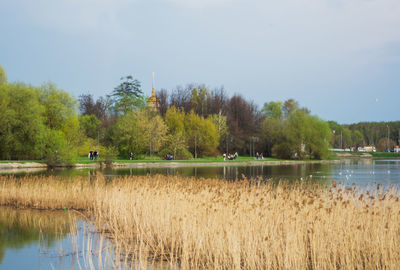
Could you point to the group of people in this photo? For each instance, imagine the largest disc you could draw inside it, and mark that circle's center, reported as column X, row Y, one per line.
column 259, row 156
column 230, row 156
column 166, row 157
column 169, row 157
column 93, row 155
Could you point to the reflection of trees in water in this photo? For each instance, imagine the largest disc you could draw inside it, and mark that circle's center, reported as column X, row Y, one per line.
column 282, row 172
column 310, row 172
column 19, row 228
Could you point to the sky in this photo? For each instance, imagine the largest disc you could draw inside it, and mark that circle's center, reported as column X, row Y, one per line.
column 338, row 58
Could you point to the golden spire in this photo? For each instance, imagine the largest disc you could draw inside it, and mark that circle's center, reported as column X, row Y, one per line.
column 153, row 93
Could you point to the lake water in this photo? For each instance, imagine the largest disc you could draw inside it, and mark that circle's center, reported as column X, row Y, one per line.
column 32, row 239
column 42, row 239
column 361, row 172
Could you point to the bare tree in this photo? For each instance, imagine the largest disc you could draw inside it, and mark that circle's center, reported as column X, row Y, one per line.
column 217, row 101
column 101, row 108
column 243, row 119
column 163, row 101
column 181, row 97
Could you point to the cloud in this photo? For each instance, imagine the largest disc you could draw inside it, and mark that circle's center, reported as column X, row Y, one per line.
column 333, row 24
column 74, row 16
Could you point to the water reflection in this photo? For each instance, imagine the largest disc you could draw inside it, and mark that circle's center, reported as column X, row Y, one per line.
column 41, row 239
column 361, row 171
column 21, row 229
column 287, row 172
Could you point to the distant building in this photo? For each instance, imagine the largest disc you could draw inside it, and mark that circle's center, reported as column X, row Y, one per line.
column 153, row 102
column 366, row 149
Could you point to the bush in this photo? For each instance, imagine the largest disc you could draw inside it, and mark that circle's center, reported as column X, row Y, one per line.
column 108, row 154
column 56, row 150
column 282, row 150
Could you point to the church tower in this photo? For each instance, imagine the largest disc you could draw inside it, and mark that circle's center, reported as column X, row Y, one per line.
column 153, row 102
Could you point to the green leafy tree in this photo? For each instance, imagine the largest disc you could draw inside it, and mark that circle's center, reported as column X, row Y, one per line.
column 272, row 127
column 176, row 144
column 90, row 125
column 59, row 106
column 3, row 75
column 209, row 138
column 272, row 110
column 21, row 121
column 127, row 96
column 298, row 132
column 87, row 145
column 156, row 131
column 193, row 130
column 56, row 149
column 199, row 99
column 222, row 128
column 271, row 133
column 60, row 112
column 374, row 131
column 341, row 136
column 289, row 107
column 140, row 132
column 175, row 120
column 37, row 123
column 308, row 135
column 336, row 129
column 202, row 135
column 357, row 138
column 317, row 138
column 347, row 140
column 128, row 135
column 5, row 122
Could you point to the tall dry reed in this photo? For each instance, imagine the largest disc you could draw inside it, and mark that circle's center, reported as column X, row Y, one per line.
column 214, row 224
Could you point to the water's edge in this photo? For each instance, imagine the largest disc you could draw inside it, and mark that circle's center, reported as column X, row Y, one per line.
column 34, row 165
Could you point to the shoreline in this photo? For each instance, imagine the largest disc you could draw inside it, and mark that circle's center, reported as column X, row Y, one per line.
column 14, row 166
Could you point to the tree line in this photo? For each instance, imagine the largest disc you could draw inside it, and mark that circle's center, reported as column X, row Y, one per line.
column 192, row 121
column 383, row 135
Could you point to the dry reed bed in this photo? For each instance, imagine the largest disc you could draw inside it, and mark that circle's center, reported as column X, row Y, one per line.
column 217, row 224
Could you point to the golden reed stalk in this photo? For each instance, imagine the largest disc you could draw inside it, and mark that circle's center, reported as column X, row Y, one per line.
column 214, row 224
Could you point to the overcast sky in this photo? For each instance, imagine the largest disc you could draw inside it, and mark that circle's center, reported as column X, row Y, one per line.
column 339, row 58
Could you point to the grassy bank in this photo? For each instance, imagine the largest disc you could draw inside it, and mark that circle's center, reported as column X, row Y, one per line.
column 385, row 154
column 214, row 224
column 22, row 161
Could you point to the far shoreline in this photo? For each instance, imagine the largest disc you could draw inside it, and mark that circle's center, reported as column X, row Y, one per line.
column 172, row 164
column 18, row 165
